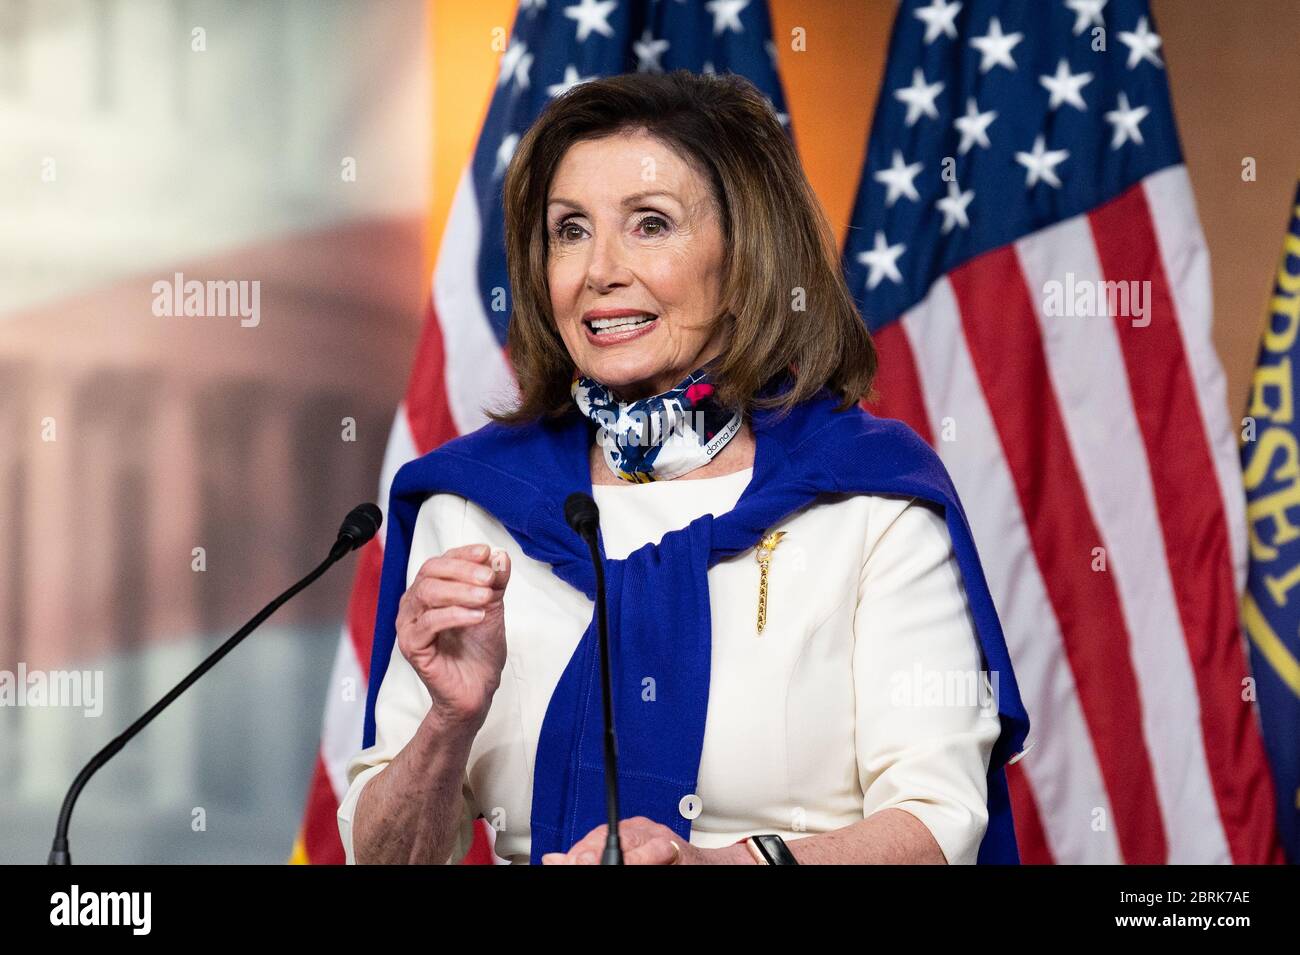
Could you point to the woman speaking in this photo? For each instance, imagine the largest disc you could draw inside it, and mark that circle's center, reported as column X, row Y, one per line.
column 805, row 658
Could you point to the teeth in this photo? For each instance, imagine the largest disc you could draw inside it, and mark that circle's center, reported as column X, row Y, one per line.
column 623, row 321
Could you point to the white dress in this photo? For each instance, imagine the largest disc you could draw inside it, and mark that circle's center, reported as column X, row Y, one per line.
column 861, row 693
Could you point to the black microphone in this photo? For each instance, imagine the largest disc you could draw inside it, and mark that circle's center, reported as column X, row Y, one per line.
column 359, row 526
column 583, row 516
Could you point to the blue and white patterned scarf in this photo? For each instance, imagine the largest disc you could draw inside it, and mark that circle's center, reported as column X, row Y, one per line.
column 660, row 437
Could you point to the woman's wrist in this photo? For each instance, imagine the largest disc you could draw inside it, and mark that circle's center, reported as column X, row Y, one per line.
column 736, row 854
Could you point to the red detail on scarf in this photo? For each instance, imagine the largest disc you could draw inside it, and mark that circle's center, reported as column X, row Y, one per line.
column 697, row 391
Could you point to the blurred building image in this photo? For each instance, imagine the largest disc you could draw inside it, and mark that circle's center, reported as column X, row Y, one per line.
column 277, row 143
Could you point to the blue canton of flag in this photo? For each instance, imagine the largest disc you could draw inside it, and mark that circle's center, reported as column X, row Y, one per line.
column 554, row 46
column 996, row 119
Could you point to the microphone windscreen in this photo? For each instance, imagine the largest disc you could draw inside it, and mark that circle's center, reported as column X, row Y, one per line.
column 581, row 513
column 361, row 524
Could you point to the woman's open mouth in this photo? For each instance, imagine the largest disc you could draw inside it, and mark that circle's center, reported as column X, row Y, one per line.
column 618, row 329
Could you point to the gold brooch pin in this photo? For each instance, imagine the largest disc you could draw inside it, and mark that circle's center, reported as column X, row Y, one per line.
column 764, row 556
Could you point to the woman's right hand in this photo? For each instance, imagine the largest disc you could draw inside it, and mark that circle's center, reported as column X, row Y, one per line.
column 451, row 627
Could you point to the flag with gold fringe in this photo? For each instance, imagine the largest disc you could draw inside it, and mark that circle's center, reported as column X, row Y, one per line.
column 1270, row 458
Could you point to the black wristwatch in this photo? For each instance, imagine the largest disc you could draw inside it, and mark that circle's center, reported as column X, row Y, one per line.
column 770, row 849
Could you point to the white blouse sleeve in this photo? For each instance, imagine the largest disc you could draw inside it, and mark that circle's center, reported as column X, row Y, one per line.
column 403, row 698
column 923, row 743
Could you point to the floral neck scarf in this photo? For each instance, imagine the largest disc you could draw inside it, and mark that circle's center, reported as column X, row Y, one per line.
column 661, row 437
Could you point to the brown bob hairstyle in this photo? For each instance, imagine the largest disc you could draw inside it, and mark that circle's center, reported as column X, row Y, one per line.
column 783, row 292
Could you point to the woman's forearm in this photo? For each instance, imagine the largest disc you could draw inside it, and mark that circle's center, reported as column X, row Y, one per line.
column 888, row 837
column 410, row 811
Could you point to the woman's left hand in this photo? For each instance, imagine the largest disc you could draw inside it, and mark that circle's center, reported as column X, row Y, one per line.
column 644, row 842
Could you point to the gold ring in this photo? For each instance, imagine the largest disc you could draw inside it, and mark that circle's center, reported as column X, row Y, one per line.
column 677, row 852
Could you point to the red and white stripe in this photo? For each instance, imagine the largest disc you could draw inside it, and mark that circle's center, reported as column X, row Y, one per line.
column 1076, row 438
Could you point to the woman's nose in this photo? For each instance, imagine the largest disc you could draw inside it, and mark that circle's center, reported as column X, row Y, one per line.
column 606, row 269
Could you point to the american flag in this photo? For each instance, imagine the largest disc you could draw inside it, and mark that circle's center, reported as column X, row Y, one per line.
column 1024, row 153
column 460, row 364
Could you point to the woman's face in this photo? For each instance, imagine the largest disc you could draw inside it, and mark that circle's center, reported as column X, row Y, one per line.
column 635, row 253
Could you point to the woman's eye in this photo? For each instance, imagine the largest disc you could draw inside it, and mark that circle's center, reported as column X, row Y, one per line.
column 657, row 224
column 568, row 231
